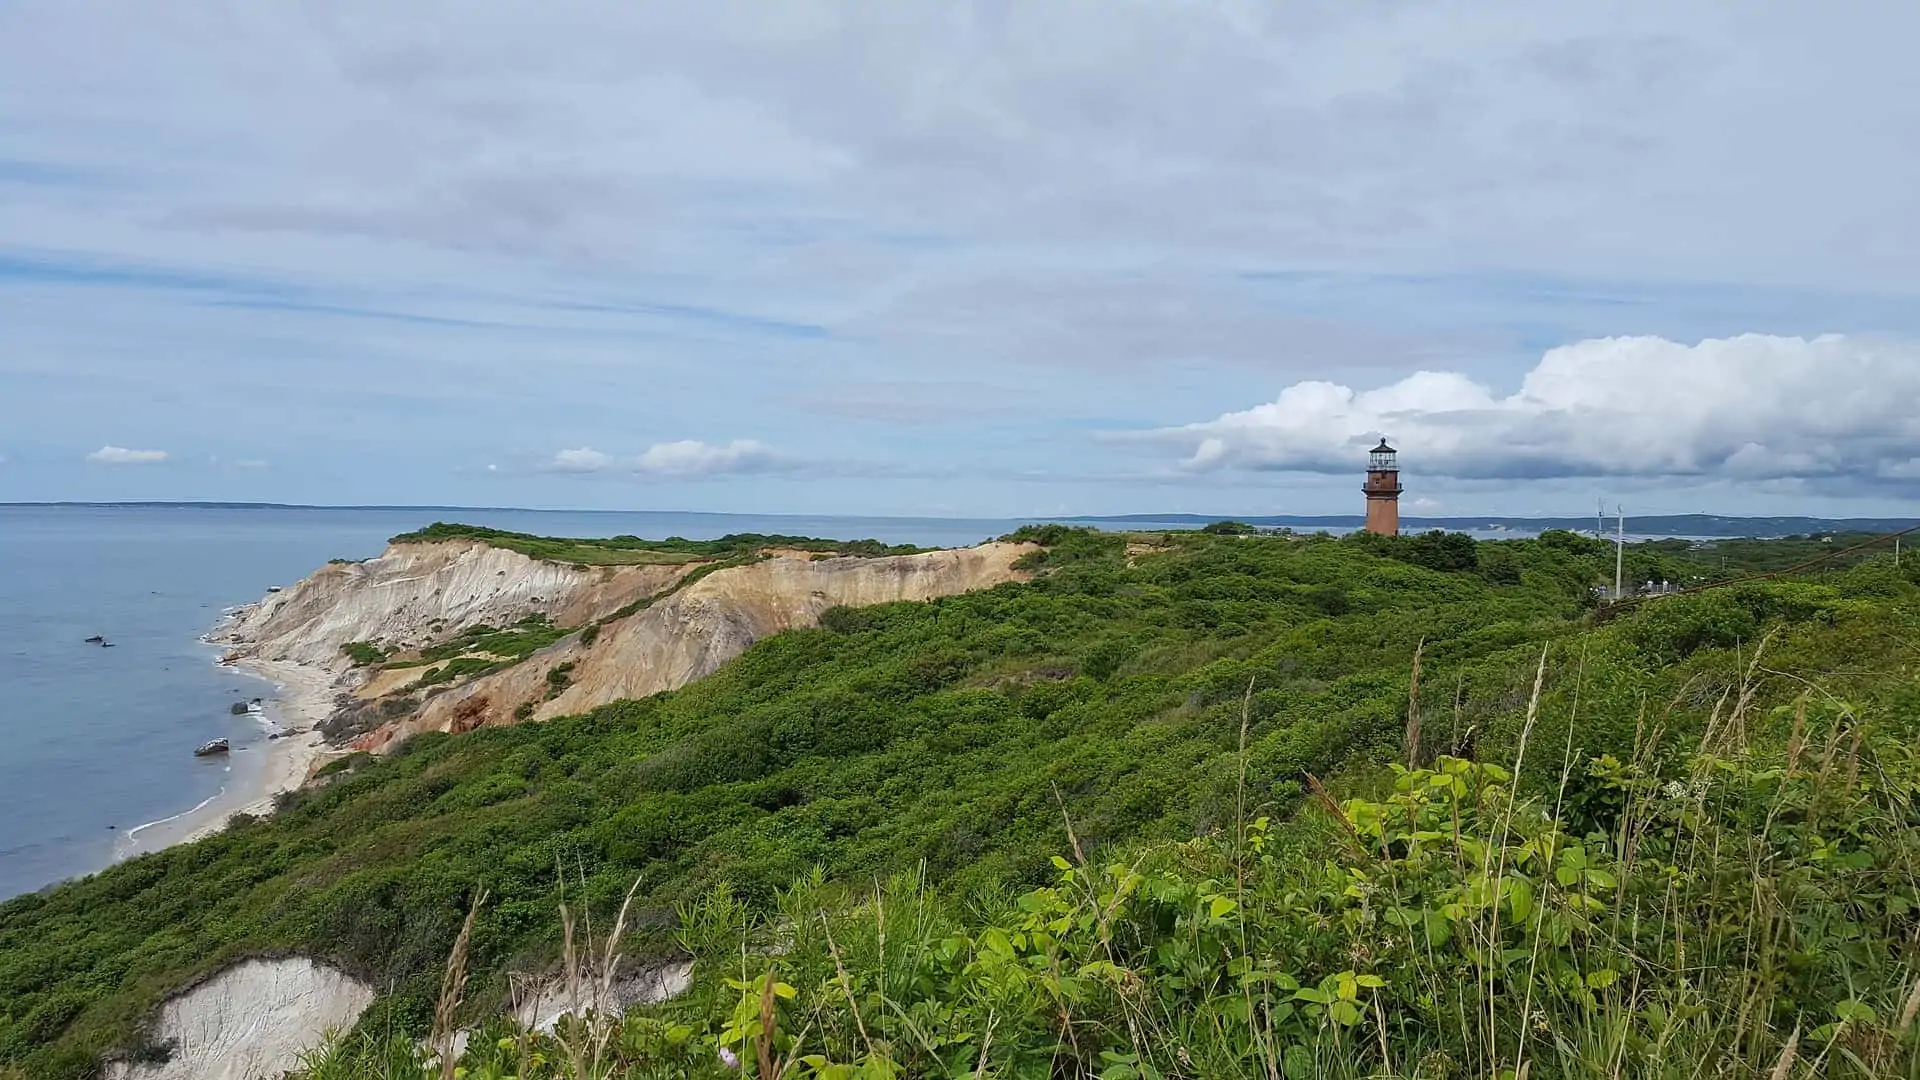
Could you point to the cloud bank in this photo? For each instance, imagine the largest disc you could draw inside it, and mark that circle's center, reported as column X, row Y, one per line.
column 683, row 458
column 1751, row 407
column 120, row 455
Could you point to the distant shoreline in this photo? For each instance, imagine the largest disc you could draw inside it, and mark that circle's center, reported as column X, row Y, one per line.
column 1660, row 526
column 190, row 504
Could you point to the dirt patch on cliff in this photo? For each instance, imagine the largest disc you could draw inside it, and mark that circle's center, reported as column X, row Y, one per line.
column 252, row 1020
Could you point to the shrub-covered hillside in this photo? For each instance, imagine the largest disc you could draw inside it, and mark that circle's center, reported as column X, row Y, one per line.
column 1147, row 689
column 619, row 550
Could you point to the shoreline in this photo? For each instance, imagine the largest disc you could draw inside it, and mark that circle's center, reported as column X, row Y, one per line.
column 302, row 697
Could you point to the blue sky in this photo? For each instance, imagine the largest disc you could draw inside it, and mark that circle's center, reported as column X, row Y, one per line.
column 961, row 258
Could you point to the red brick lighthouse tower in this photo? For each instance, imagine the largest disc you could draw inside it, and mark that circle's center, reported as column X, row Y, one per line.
column 1383, row 491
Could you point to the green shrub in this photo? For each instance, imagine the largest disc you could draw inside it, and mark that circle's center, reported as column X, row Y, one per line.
column 558, row 678
column 1435, row 550
column 364, row 653
column 456, row 668
column 1677, row 627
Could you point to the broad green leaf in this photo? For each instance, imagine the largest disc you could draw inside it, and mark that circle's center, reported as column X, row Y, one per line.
column 1520, row 898
column 1855, row 1010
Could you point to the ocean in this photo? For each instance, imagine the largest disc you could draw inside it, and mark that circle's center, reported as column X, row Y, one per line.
column 96, row 741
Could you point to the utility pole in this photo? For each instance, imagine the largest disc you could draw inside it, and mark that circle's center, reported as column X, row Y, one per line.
column 1896, row 553
column 1620, row 555
column 1599, row 519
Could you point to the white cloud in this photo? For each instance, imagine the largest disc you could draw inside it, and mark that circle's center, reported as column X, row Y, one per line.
column 687, row 457
column 1751, row 407
column 120, row 455
column 690, row 457
column 584, row 459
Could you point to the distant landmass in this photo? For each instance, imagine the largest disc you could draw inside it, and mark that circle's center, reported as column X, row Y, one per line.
column 1709, row 525
column 202, row 504
column 1698, row 525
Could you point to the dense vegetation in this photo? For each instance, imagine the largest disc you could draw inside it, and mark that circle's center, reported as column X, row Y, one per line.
column 1752, row 915
column 1713, row 560
column 1691, row 826
column 627, row 550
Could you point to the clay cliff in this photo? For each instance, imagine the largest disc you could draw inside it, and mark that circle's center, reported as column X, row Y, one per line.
column 693, row 631
column 637, row 630
column 419, row 594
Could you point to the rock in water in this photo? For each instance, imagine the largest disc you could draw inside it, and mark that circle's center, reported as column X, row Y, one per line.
column 217, row 746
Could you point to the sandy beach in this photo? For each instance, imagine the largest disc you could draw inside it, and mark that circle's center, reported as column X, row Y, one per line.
column 301, row 699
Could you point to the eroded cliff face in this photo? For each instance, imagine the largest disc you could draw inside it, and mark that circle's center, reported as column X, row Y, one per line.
column 690, row 633
column 418, row 594
column 253, row 1019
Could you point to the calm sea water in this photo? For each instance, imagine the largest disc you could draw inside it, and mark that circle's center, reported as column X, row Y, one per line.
column 95, row 741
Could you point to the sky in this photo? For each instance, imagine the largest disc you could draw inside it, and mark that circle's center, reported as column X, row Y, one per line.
column 956, row 258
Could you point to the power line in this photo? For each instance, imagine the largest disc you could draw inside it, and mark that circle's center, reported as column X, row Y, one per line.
column 1613, row 608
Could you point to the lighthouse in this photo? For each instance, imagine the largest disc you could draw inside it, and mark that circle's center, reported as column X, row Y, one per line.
column 1383, row 491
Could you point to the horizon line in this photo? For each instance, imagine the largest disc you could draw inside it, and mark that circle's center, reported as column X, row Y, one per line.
column 1181, row 517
